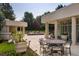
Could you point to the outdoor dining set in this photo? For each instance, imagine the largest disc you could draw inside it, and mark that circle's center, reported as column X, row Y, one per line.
column 55, row 47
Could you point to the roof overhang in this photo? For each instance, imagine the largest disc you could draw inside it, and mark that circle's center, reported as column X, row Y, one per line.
column 68, row 11
column 16, row 23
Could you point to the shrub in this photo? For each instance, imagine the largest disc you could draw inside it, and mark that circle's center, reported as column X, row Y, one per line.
column 18, row 36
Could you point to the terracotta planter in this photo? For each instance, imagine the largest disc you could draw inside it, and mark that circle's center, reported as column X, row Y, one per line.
column 21, row 47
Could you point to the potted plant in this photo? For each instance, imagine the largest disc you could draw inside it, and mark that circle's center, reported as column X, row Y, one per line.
column 20, row 44
column 64, row 36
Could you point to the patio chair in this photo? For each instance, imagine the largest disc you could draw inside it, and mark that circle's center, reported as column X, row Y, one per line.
column 67, row 47
column 52, row 36
column 44, row 48
column 59, row 37
column 58, row 50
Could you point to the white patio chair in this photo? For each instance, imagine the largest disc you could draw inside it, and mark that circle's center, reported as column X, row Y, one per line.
column 67, row 48
column 67, row 45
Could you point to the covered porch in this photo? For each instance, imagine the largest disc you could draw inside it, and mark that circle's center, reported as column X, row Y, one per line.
column 16, row 28
column 67, row 25
column 12, row 26
column 65, row 20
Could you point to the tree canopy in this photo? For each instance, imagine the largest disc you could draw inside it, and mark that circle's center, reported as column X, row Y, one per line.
column 59, row 6
column 28, row 17
column 1, row 20
column 7, row 11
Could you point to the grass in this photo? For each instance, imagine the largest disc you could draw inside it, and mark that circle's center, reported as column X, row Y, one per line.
column 8, row 49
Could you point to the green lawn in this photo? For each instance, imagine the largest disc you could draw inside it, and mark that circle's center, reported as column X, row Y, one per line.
column 8, row 49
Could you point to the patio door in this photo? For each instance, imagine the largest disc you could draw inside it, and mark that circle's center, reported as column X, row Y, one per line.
column 65, row 27
column 77, row 30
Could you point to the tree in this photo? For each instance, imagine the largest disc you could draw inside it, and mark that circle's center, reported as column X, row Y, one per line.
column 7, row 11
column 28, row 17
column 59, row 6
column 1, row 20
column 36, row 25
column 46, row 13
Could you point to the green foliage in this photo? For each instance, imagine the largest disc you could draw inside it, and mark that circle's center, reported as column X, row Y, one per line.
column 28, row 17
column 59, row 6
column 46, row 13
column 65, row 33
column 18, row 36
column 1, row 20
column 30, row 52
column 7, row 49
column 7, row 11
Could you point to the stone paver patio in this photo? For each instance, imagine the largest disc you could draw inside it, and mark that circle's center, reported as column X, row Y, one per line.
column 35, row 46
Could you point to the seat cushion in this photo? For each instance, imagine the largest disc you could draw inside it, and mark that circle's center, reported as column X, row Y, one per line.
column 57, row 48
column 67, row 45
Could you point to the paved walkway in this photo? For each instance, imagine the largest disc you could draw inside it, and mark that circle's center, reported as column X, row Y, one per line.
column 35, row 46
column 75, row 50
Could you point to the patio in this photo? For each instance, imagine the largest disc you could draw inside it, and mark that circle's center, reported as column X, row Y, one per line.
column 35, row 46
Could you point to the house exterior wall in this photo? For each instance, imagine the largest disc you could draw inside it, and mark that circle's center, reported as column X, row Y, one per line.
column 69, row 11
column 5, row 34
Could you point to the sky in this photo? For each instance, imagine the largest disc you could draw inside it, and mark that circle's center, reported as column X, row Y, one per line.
column 35, row 8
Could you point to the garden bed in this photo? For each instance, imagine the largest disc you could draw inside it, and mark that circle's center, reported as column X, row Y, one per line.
column 8, row 49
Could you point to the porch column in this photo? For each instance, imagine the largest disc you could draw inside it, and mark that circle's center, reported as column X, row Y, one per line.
column 73, row 30
column 16, row 29
column 46, row 30
column 56, row 29
column 20, row 28
column 23, row 30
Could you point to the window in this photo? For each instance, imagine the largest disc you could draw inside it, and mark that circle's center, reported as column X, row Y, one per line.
column 18, row 29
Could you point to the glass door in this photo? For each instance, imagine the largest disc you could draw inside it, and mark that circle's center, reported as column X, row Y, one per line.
column 77, row 30
column 65, row 27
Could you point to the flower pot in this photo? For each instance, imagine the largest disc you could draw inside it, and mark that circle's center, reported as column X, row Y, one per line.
column 21, row 47
column 64, row 37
